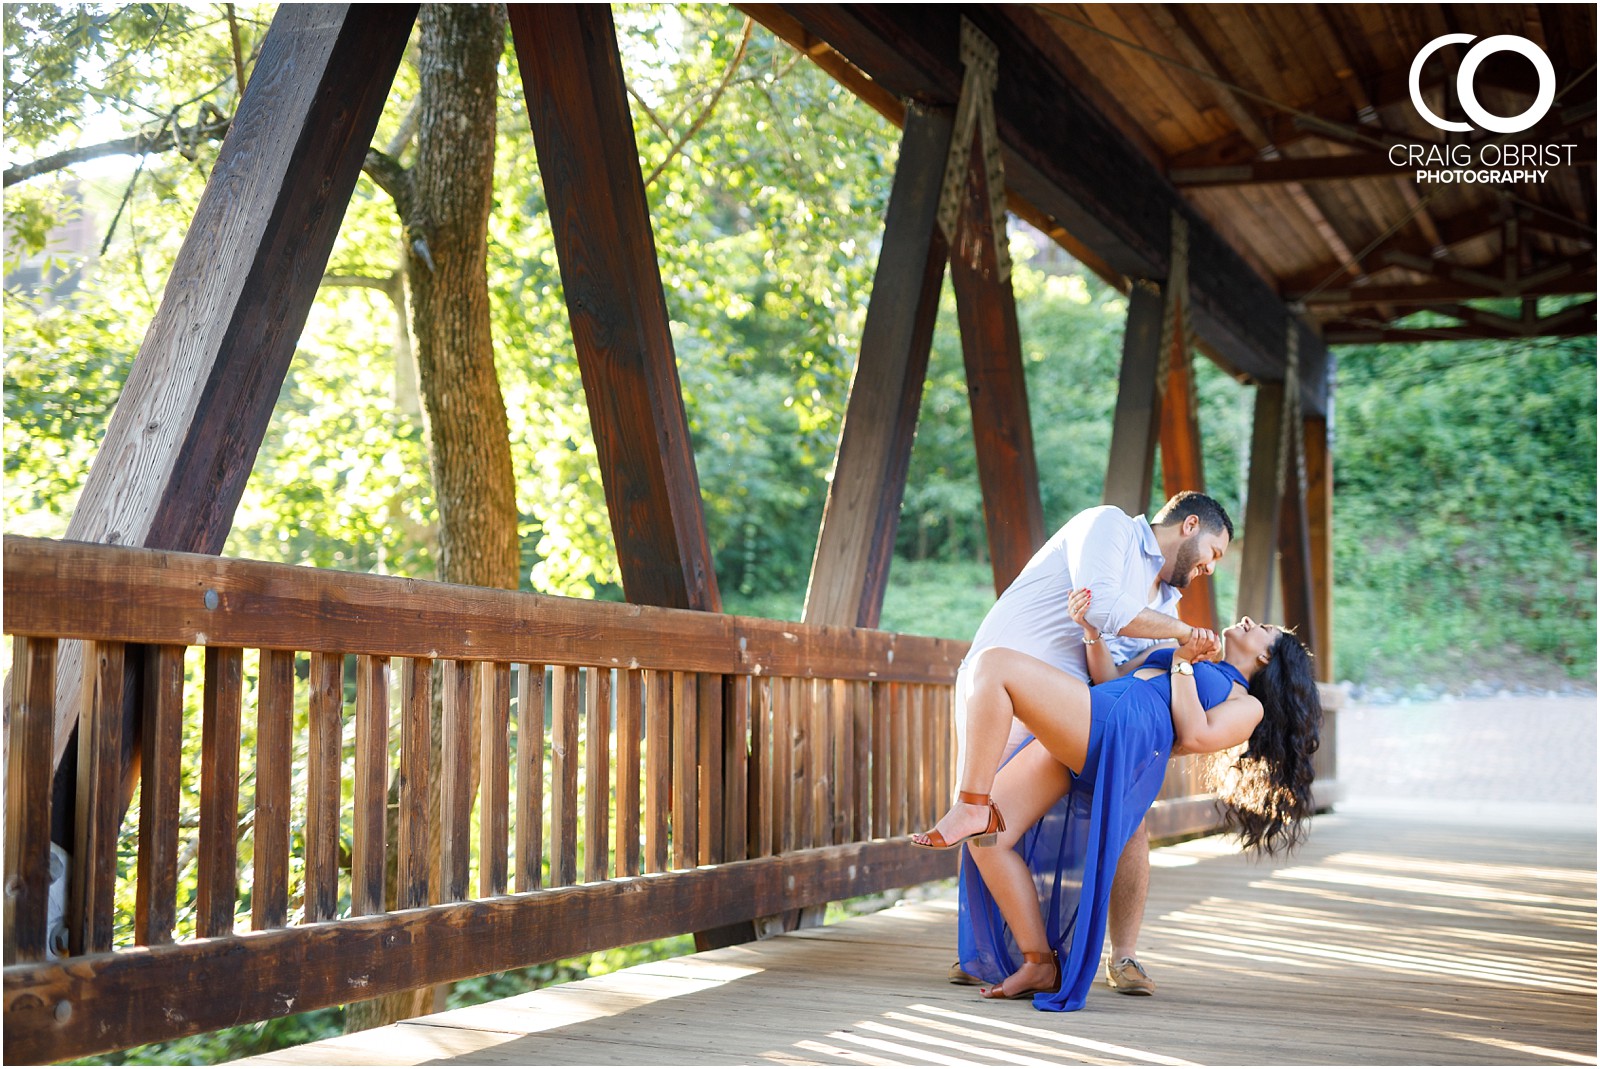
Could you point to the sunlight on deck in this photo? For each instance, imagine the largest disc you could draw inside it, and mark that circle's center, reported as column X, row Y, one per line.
column 1392, row 941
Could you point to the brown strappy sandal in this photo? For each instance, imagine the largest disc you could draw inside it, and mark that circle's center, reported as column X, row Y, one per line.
column 1032, row 957
column 934, row 841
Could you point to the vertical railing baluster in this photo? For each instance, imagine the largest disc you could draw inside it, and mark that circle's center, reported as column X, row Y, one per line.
column 898, row 703
column 820, row 696
column 160, row 778
column 861, row 757
column 564, row 777
column 630, row 694
column 708, row 814
column 93, row 880
column 269, row 882
column 844, row 753
column 801, row 727
column 323, row 771
column 791, row 764
column 945, row 794
column 371, row 786
column 735, row 767
column 455, row 784
column 918, row 768
column 881, row 759
column 411, row 851
column 685, row 771
column 494, row 771
column 30, row 732
column 530, row 777
column 658, row 769
column 217, row 889
column 760, row 789
column 597, row 777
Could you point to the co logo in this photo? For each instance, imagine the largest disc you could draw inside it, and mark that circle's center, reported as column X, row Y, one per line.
column 1465, row 91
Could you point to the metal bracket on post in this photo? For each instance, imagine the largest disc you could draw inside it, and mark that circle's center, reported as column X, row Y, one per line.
column 975, row 113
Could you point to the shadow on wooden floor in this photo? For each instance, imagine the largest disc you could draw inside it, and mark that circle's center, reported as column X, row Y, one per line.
column 1392, row 938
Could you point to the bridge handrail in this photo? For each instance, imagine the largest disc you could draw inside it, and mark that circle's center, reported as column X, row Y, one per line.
column 746, row 767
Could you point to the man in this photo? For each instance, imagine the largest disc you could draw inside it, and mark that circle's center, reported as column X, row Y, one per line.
column 1136, row 572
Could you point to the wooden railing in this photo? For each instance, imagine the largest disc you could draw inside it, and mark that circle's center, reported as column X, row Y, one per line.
column 604, row 774
column 693, row 770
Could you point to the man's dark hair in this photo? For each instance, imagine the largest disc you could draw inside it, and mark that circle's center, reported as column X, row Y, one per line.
column 1213, row 517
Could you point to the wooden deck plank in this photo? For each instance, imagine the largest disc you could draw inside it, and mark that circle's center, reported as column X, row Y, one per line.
column 1386, row 940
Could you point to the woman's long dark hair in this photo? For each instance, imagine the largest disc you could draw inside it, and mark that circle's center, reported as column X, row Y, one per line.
column 1266, row 791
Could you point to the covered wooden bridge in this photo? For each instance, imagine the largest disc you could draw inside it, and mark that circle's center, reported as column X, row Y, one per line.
column 745, row 770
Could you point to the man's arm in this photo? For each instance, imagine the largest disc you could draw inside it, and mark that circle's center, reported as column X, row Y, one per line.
column 1151, row 624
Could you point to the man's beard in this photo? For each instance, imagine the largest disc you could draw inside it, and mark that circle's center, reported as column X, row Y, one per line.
column 1187, row 557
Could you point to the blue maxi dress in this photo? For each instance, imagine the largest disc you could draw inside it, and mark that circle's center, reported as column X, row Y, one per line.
column 1072, row 851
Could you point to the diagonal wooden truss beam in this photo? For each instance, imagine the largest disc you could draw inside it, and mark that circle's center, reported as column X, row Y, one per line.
column 849, row 573
column 184, row 435
column 997, row 388
column 589, row 162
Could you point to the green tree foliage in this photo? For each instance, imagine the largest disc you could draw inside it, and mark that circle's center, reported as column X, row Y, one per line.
column 1465, row 507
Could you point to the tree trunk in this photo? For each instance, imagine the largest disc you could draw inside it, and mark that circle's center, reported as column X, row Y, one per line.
column 452, row 188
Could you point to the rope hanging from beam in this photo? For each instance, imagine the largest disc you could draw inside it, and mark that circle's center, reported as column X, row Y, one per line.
column 1175, row 325
column 975, row 114
column 1292, row 425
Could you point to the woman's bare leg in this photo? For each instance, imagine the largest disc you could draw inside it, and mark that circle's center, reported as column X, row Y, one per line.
column 1024, row 789
column 1005, row 683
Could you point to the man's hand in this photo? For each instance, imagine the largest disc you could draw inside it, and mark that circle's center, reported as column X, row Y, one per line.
column 1201, row 645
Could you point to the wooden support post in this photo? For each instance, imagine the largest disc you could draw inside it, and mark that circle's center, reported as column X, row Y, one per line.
column 589, row 161
column 1182, row 466
column 1319, row 524
column 1294, row 543
column 850, row 570
column 1135, row 425
column 1261, row 506
column 184, row 434
column 997, row 388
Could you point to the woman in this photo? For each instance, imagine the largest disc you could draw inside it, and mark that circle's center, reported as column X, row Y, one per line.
column 1053, row 894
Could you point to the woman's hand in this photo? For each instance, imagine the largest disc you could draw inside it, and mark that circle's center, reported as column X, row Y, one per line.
column 1201, row 645
column 1078, row 608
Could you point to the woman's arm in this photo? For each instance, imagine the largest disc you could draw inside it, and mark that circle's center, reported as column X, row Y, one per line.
column 1102, row 667
column 1196, row 729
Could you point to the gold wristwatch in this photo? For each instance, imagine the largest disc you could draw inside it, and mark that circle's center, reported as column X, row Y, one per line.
column 1182, row 667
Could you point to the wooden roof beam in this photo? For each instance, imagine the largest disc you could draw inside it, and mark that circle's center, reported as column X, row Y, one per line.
column 1066, row 159
column 1321, row 169
column 1577, row 321
column 1571, row 279
column 1403, row 251
column 1175, row 23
